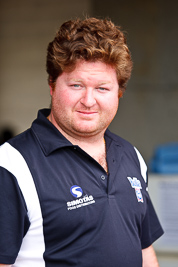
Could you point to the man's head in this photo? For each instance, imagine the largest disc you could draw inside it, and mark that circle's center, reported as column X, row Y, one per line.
column 90, row 40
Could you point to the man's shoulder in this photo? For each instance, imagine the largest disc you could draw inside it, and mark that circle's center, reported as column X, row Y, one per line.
column 118, row 139
column 27, row 137
column 126, row 147
column 22, row 140
column 130, row 152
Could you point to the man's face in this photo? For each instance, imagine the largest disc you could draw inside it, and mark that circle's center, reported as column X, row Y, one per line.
column 85, row 101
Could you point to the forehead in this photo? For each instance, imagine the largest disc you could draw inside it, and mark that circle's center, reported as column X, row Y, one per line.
column 93, row 70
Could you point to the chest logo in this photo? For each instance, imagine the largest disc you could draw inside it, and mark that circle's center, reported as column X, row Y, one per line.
column 135, row 183
column 80, row 201
column 76, row 191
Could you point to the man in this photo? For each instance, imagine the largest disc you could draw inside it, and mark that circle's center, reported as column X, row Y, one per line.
column 73, row 193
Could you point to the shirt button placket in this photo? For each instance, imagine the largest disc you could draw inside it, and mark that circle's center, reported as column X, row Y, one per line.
column 103, row 177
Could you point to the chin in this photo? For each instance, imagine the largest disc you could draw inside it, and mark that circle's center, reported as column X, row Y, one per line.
column 88, row 131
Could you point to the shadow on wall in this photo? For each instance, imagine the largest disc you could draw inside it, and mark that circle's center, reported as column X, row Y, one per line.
column 6, row 134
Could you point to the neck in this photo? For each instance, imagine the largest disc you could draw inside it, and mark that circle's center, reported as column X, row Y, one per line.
column 79, row 138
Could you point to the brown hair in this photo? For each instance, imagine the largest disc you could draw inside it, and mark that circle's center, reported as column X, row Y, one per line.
column 91, row 40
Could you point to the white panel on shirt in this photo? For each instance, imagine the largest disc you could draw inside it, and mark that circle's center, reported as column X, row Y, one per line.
column 143, row 166
column 33, row 246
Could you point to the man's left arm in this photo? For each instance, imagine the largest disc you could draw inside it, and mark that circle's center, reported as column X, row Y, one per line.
column 149, row 257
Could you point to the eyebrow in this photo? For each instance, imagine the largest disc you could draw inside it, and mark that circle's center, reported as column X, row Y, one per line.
column 98, row 82
column 73, row 80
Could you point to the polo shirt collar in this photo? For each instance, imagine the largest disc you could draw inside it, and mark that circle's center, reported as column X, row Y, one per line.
column 47, row 134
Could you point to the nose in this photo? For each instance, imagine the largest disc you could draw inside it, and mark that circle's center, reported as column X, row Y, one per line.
column 88, row 98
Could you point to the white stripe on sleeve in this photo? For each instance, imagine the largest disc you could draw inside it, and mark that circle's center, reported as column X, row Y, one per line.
column 33, row 246
column 143, row 166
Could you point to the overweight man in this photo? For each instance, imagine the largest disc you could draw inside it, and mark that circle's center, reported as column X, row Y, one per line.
column 72, row 192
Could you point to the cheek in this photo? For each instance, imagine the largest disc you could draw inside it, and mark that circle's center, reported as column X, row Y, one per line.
column 62, row 98
column 113, row 102
column 113, row 107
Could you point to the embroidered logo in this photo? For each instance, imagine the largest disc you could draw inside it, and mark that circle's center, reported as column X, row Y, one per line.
column 77, row 192
column 135, row 183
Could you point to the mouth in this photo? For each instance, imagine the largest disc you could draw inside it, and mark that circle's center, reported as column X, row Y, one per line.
column 87, row 112
column 87, row 115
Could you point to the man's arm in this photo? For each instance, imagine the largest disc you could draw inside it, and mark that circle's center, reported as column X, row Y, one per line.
column 5, row 265
column 149, row 257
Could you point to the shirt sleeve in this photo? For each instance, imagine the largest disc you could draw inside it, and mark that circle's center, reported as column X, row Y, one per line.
column 151, row 227
column 14, row 221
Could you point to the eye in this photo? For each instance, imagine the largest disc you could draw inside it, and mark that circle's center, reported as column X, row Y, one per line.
column 102, row 89
column 76, row 86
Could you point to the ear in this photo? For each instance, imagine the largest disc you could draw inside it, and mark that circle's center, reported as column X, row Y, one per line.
column 51, row 85
column 120, row 94
column 51, row 89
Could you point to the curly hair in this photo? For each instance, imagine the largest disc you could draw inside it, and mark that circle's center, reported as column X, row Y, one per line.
column 91, row 40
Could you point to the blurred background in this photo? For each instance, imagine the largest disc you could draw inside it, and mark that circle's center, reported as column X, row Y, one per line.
column 148, row 112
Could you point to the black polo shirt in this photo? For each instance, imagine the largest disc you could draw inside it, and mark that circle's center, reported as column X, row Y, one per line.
column 59, row 207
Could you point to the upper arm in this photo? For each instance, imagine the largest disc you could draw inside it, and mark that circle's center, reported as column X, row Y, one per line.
column 5, row 265
column 14, row 222
column 149, row 257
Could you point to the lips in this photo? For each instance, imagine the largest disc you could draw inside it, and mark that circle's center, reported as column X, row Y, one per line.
column 87, row 115
column 87, row 112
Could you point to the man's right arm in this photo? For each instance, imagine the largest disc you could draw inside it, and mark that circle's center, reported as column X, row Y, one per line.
column 5, row 265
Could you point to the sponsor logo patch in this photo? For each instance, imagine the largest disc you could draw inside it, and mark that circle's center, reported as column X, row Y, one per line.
column 80, row 201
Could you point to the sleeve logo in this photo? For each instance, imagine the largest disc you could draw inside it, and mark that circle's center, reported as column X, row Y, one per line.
column 135, row 183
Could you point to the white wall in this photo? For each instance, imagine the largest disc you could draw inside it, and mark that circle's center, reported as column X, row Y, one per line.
column 163, row 192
